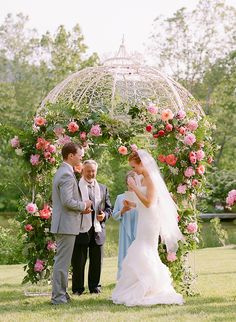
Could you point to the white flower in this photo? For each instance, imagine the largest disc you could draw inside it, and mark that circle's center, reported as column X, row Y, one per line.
column 19, row 152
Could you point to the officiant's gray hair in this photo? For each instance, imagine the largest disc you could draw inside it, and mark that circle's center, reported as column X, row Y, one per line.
column 93, row 162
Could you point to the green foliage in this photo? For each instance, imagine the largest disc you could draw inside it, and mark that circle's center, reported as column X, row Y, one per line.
column 219, row 231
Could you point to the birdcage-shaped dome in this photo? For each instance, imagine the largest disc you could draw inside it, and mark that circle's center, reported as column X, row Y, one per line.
column 119, row 84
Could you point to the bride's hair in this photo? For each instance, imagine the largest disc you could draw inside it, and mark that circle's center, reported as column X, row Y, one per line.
column 134, row 157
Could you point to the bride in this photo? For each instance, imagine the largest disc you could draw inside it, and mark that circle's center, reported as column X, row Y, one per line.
column 144, row 279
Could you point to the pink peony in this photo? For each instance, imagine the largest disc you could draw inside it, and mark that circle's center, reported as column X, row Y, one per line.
column 46, row 212
column 34, row 159
column 133, row 147
column 195, row 182
column 83, row 135
column 171, row 257
column 72, row 127
column 59, row 131
column 15, row 143
column 39, row 121
column 189, row 139
column 181, row 114
column 201, row 169
column 189, row 172
column 149, row 128
column 122, row 150
column 182, row 188
column 52, row 160
column 47, row 155
column 51, row 245
column 192, row 227
column 31, row 208
column 96, row 130
column 182, row 130
column 28, row 227
column 169, row 127
column 192, row 125
column 231, row 198
column 171, row 159
column 39, row 265
column 167, row 115
column 200, row 155
column 51, row 148
column 152, row 108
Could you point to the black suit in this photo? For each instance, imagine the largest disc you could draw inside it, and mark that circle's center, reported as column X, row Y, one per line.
column 92, row 241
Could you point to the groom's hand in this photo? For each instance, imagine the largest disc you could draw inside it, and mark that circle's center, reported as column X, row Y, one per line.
column 101, row 216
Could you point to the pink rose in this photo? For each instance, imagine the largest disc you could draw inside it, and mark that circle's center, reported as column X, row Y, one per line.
column 52, row 160
column 181, row 114
column 95, row 130
column 161, row 158
column 201, row 169
column 64, row 139
column 39, row 265
column 192, row 157
column 200, row 155
column 182, row 188
column 122, row 150
column 39, row 121
column 133, row 147
column 189, row 139
column 195, row 182
column 28, row 227
column 231, row 198
column 182, row 130
column 51, row 148
column 152, row 108
column 149, row 128
column 189, row 172
column 192, row 125
column 192, row 227
column 47, row 155
column 51, row 245
column 31, row 208
column 167, row 115
column 171, row 257
column 72, row 127
column 46, row 212
column 42, row 144
column 169, row 127
column 83, row 135
column 209, row 160
column 15, row 143
column 59, row 131
column 171, row 159
column 161, row 133
column 34, row 159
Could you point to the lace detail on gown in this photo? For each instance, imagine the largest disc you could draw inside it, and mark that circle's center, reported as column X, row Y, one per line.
column 145, row 280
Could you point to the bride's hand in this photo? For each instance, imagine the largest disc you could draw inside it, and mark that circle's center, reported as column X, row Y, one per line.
column 129, row 204
column 131, row 183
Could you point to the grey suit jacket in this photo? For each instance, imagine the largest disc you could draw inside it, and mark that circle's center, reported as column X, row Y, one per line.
column 66, row 202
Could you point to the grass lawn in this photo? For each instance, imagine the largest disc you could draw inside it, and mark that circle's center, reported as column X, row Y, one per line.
column 216, row 301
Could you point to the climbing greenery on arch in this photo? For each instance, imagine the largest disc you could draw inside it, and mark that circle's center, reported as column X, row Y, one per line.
column 180, row 142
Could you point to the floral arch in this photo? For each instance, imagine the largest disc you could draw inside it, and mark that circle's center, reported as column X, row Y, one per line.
column 123, row 105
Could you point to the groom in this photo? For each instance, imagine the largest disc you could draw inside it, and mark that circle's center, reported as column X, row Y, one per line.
column 92, row 231
column 67, row 210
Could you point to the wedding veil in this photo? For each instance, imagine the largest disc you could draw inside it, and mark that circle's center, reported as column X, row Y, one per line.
column 166, row 207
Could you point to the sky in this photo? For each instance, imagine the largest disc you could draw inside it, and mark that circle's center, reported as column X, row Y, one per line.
column 103, row 22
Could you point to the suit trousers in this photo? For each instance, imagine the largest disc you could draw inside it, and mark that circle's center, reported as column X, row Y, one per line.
column 79, row 259
column 62, row 260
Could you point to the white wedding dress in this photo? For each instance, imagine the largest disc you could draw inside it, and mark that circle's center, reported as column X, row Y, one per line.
column 145, row 280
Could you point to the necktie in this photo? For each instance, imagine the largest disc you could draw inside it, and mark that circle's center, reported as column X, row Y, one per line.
column 92, row 198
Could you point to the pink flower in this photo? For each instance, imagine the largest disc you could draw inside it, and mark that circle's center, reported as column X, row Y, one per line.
column 161, row 133
column 192, row 157
column 200, row 155
column 192, row 227
column 161, row 158
column 209, row 160
column 28, row 227
column 45, row 213
column 72, row 127
column 31, row 208
column 52, row 160
column 171, row 257
column 51, row 148
column 171, row 159
column 231, row 198
column 83, row 135
column 133, row 147
column 201, row 169
column 47, row 155
column 15, row 143
column 182, row 130
column 169, row 127
column 195, row 182
column 192, row 125
column 59, row 131
column 189, row 139
column 149, row 128
column 122, row 150
column 34, row 159
column 42, row 144
column 167, row 115
column 51, row 245
column 181, row 114
column 189, row 172
column 152, row 108
column 39, row 265
column 182, row 188
column 95, row 130
column 64, row 139
column 39, row 121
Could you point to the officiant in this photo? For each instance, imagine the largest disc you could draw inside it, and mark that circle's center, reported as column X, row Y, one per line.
column 91, row 237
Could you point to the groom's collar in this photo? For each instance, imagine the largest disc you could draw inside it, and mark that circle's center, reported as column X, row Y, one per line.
column 70, row 166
